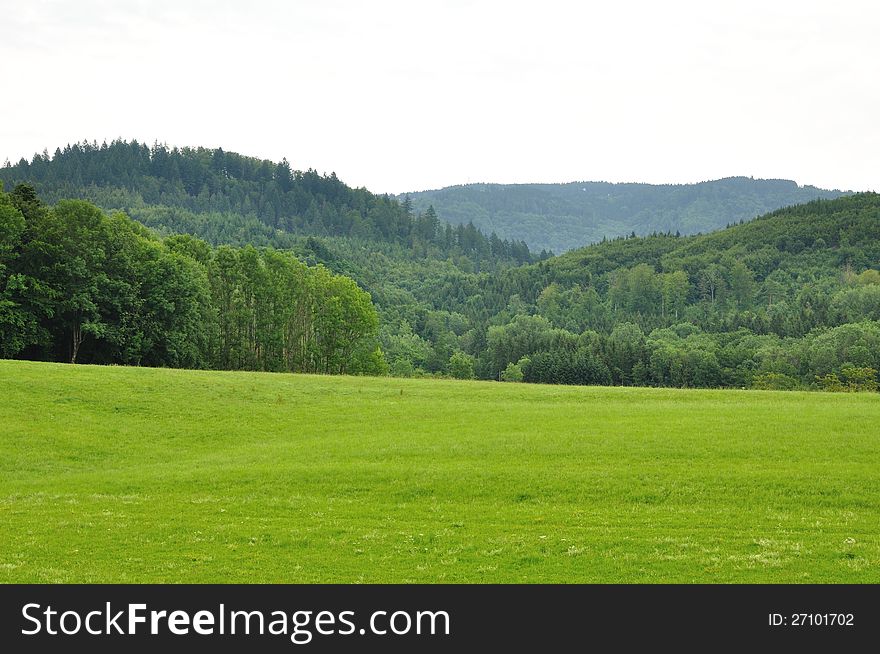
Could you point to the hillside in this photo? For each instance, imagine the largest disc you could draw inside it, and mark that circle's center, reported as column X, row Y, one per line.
column 823, row 235
column 133, row 475
column 560, row 217
column 228, row 198
column 789, row 300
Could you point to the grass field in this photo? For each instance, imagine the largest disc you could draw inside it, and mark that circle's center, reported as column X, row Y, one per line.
column 116, row 474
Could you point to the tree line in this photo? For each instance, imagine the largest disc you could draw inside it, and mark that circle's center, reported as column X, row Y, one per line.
column 253, row 199
column 79, row 285
column 790, row 299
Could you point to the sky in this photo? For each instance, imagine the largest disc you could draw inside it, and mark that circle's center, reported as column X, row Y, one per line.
column 403, row 96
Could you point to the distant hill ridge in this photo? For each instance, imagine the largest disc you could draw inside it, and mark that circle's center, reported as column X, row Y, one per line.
column 562, row 217
column 226, row 197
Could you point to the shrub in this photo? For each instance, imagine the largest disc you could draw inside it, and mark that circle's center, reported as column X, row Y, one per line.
column 512, row 373
column 461, row 365
column 859, row 378
column 830, row 382
column 774, row 381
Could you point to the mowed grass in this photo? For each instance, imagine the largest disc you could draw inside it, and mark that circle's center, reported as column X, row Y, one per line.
column 114, row 474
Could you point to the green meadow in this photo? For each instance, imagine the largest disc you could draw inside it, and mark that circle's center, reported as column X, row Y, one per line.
column 112, row 474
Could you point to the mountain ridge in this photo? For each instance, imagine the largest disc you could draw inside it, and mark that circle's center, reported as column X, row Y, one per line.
column 564, row 216
column 225, row 197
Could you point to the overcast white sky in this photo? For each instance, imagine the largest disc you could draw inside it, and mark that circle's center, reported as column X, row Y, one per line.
column 405, row 95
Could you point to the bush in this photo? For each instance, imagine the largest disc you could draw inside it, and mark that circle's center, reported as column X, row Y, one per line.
column 859, row 379
column 830, row 382
column 461, row 365
column 775, row 381
column 512, row 373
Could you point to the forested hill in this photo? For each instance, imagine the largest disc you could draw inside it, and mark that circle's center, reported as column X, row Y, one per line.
column 560, row 217
column 788, row 300
column 227, row 198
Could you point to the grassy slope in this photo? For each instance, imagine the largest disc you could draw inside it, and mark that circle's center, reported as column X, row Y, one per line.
column 122, row 474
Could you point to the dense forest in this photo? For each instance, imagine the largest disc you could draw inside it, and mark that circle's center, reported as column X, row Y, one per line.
column 560, row 217
column 789, row 300
column 80, row 286
column 224, row 197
